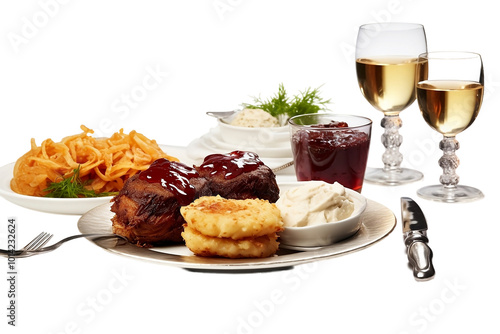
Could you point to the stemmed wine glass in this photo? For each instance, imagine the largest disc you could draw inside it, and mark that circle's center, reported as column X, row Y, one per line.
column 450, row 92
column 386, row 64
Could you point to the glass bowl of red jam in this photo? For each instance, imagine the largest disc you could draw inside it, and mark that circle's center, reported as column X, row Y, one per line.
column 331, row 148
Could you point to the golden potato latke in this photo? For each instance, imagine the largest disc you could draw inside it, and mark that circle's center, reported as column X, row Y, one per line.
column 202, row 245
column 231, row 228
column 215, row 216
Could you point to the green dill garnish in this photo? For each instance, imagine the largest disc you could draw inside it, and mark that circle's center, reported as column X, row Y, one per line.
column 73, row 187
column 283, row 107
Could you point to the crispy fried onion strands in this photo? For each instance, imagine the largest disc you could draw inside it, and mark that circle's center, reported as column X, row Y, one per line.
column 106, row 162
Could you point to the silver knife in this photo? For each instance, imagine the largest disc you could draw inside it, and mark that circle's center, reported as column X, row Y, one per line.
column 415, row 238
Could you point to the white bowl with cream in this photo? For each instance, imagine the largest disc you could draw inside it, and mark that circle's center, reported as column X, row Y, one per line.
column 313, row 227
column 255, row 136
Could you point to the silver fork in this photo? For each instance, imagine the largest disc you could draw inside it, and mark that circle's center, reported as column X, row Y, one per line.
column 26, row 253
column 38, row 242
column 87, row 235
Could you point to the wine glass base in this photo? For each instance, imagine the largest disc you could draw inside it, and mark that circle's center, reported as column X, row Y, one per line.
column 450, row 195
column 393, row 177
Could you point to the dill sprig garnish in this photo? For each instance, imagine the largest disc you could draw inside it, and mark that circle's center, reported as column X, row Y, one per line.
column 283, row 107
column 73, row 187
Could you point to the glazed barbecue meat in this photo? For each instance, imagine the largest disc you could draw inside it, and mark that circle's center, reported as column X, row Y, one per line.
column 147, row 209
column 239, row 175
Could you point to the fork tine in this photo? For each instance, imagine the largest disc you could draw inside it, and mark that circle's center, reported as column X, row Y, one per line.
column 34, row 241
column 39, row 241
column 42, row 242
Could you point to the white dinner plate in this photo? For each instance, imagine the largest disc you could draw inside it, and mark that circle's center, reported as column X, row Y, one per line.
column 377, row 222
column 72, row 206
column 199, row 148
column 279, row 150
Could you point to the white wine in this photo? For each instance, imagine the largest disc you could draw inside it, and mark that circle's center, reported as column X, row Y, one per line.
column 388, row 83
column 449, row 107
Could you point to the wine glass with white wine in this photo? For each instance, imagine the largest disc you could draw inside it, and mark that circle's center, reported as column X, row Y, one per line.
column 450, row 92
column 386, row 65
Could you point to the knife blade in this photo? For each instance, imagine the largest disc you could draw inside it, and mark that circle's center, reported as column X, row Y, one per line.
column 415, row 238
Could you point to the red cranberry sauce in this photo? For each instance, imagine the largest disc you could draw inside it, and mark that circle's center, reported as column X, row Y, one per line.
column 231, row 164
column 174, row 176
column 331, row 155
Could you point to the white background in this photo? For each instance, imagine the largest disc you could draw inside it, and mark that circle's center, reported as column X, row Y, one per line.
column 67, row 63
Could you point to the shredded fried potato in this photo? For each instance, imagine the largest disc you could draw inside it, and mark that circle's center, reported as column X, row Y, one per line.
column 105, row 163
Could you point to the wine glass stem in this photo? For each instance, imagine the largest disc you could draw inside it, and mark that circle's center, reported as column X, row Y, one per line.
column 391, row 139
column 449, row 162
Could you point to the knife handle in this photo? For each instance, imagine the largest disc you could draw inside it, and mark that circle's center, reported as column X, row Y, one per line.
column 420, row 258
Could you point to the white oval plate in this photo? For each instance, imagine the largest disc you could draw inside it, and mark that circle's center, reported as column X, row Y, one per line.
column 377, row 222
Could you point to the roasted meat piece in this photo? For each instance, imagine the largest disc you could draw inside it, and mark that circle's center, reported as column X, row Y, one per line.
column 147, row 209
column 239, row 175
